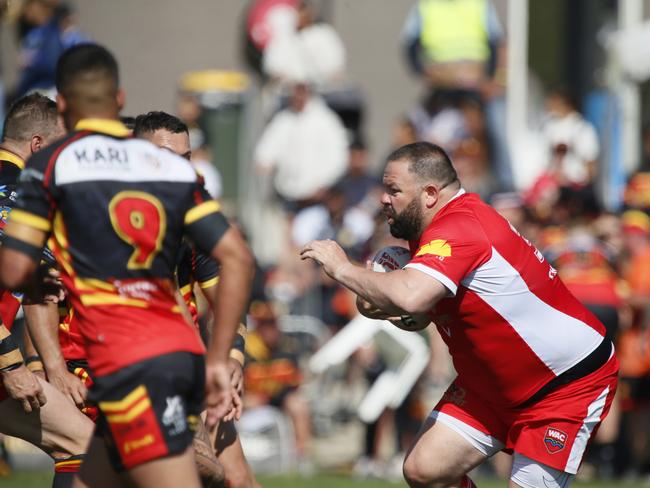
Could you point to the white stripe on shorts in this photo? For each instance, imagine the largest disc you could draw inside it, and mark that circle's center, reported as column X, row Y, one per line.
column 594, row 413
column 484, row 443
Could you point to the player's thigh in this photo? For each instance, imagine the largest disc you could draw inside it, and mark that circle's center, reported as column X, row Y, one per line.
column 58, row 427
column 527, row 473
column 440, row 454
column 231, row 455
column 148, row 410
column 168, row 472
column 96, row 470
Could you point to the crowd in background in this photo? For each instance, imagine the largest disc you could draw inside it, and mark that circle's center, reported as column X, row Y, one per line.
column 311, row 162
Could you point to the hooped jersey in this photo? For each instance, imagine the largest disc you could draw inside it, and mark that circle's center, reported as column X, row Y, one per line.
column 117, row 209
column 509, row 322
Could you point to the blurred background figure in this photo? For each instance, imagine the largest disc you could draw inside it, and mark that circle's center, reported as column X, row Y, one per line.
column 458, row 49
column 48, row 27
column 272, row 376
column 303, row 150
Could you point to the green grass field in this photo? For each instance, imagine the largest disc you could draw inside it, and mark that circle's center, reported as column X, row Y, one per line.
column 43, row 480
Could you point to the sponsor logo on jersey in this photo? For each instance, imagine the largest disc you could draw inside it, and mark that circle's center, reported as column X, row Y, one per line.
column 437, row 247
column 554, row 440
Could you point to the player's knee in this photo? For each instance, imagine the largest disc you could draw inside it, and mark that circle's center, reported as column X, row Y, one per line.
column 422, row 472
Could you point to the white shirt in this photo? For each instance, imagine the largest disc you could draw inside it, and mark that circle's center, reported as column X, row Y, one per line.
column 315, row 54
column 581, row 140
column 315, row 223
column 307, row 149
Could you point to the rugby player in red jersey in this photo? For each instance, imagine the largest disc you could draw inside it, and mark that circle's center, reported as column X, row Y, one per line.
column 117, row 208
column 55, row 426
column 536, row 374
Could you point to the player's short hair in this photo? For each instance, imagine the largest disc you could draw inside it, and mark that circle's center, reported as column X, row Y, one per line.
column 427, row 161
column 156, row 120
column 87, row 71
column 128, row 121
column 29, row 115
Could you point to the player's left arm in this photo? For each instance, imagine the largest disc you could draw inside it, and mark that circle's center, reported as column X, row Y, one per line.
column 210, row 231
column 206, row 272
column 398, row 292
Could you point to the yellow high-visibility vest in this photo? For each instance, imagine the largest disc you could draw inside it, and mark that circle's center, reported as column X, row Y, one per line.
column 454, row 30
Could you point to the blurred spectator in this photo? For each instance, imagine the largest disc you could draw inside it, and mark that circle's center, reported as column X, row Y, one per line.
column 361, row 187
column 40, row 48
column 272, row 375
column 50, row 28
column 571, row 140
column 264, row 19
column 190, row 111
column 634, row 343
column 404, row 132
column 449, row 42
column 312, row 50
column 334, row 219
column 305, row 147
column 458, row 48
column 70, row 32
column 637, row 191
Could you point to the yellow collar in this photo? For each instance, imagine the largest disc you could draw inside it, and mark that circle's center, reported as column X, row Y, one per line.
column 105, row 126
column 6, row 155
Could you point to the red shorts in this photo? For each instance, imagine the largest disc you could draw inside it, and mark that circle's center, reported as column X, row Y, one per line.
column 553, row 431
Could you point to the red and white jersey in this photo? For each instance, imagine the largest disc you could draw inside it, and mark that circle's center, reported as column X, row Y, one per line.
column 509, row 322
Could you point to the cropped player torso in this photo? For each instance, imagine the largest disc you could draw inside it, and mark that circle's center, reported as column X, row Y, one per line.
column 512, row 325
column 10, row 167
column 119, row 206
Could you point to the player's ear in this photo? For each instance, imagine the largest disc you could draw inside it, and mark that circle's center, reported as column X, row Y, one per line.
column 431, row 195
column 61, row 104
column 36, row 144
column 120, row 98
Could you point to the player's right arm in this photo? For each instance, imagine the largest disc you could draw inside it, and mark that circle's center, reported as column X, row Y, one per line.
column 21, row 384
column 210, row 231
column 42, row 320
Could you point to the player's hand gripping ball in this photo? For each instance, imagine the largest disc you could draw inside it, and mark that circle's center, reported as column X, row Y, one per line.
column 391, row 258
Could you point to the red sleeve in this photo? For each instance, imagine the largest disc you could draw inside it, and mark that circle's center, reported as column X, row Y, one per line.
column 450, row 249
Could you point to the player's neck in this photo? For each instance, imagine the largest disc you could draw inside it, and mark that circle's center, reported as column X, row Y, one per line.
column 21, row 150
column 72, row 119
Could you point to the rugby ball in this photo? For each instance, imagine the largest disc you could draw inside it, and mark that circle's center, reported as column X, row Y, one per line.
column 390, row 258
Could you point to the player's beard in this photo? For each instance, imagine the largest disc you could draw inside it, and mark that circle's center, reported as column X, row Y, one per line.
column 408, row 223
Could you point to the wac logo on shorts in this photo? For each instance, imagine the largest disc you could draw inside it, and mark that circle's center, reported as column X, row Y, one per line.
column 554, row 440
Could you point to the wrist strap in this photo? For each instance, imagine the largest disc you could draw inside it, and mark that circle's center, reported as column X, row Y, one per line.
column 34, row 363
column 11, row 367
column 9, row 353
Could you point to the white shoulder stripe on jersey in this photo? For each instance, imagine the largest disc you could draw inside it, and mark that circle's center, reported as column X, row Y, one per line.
column 559, row 340
column 103, row 158
column 449, row 284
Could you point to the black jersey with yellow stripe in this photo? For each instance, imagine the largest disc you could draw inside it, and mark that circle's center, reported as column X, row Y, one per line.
column 10, row 167
column 117, row 209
